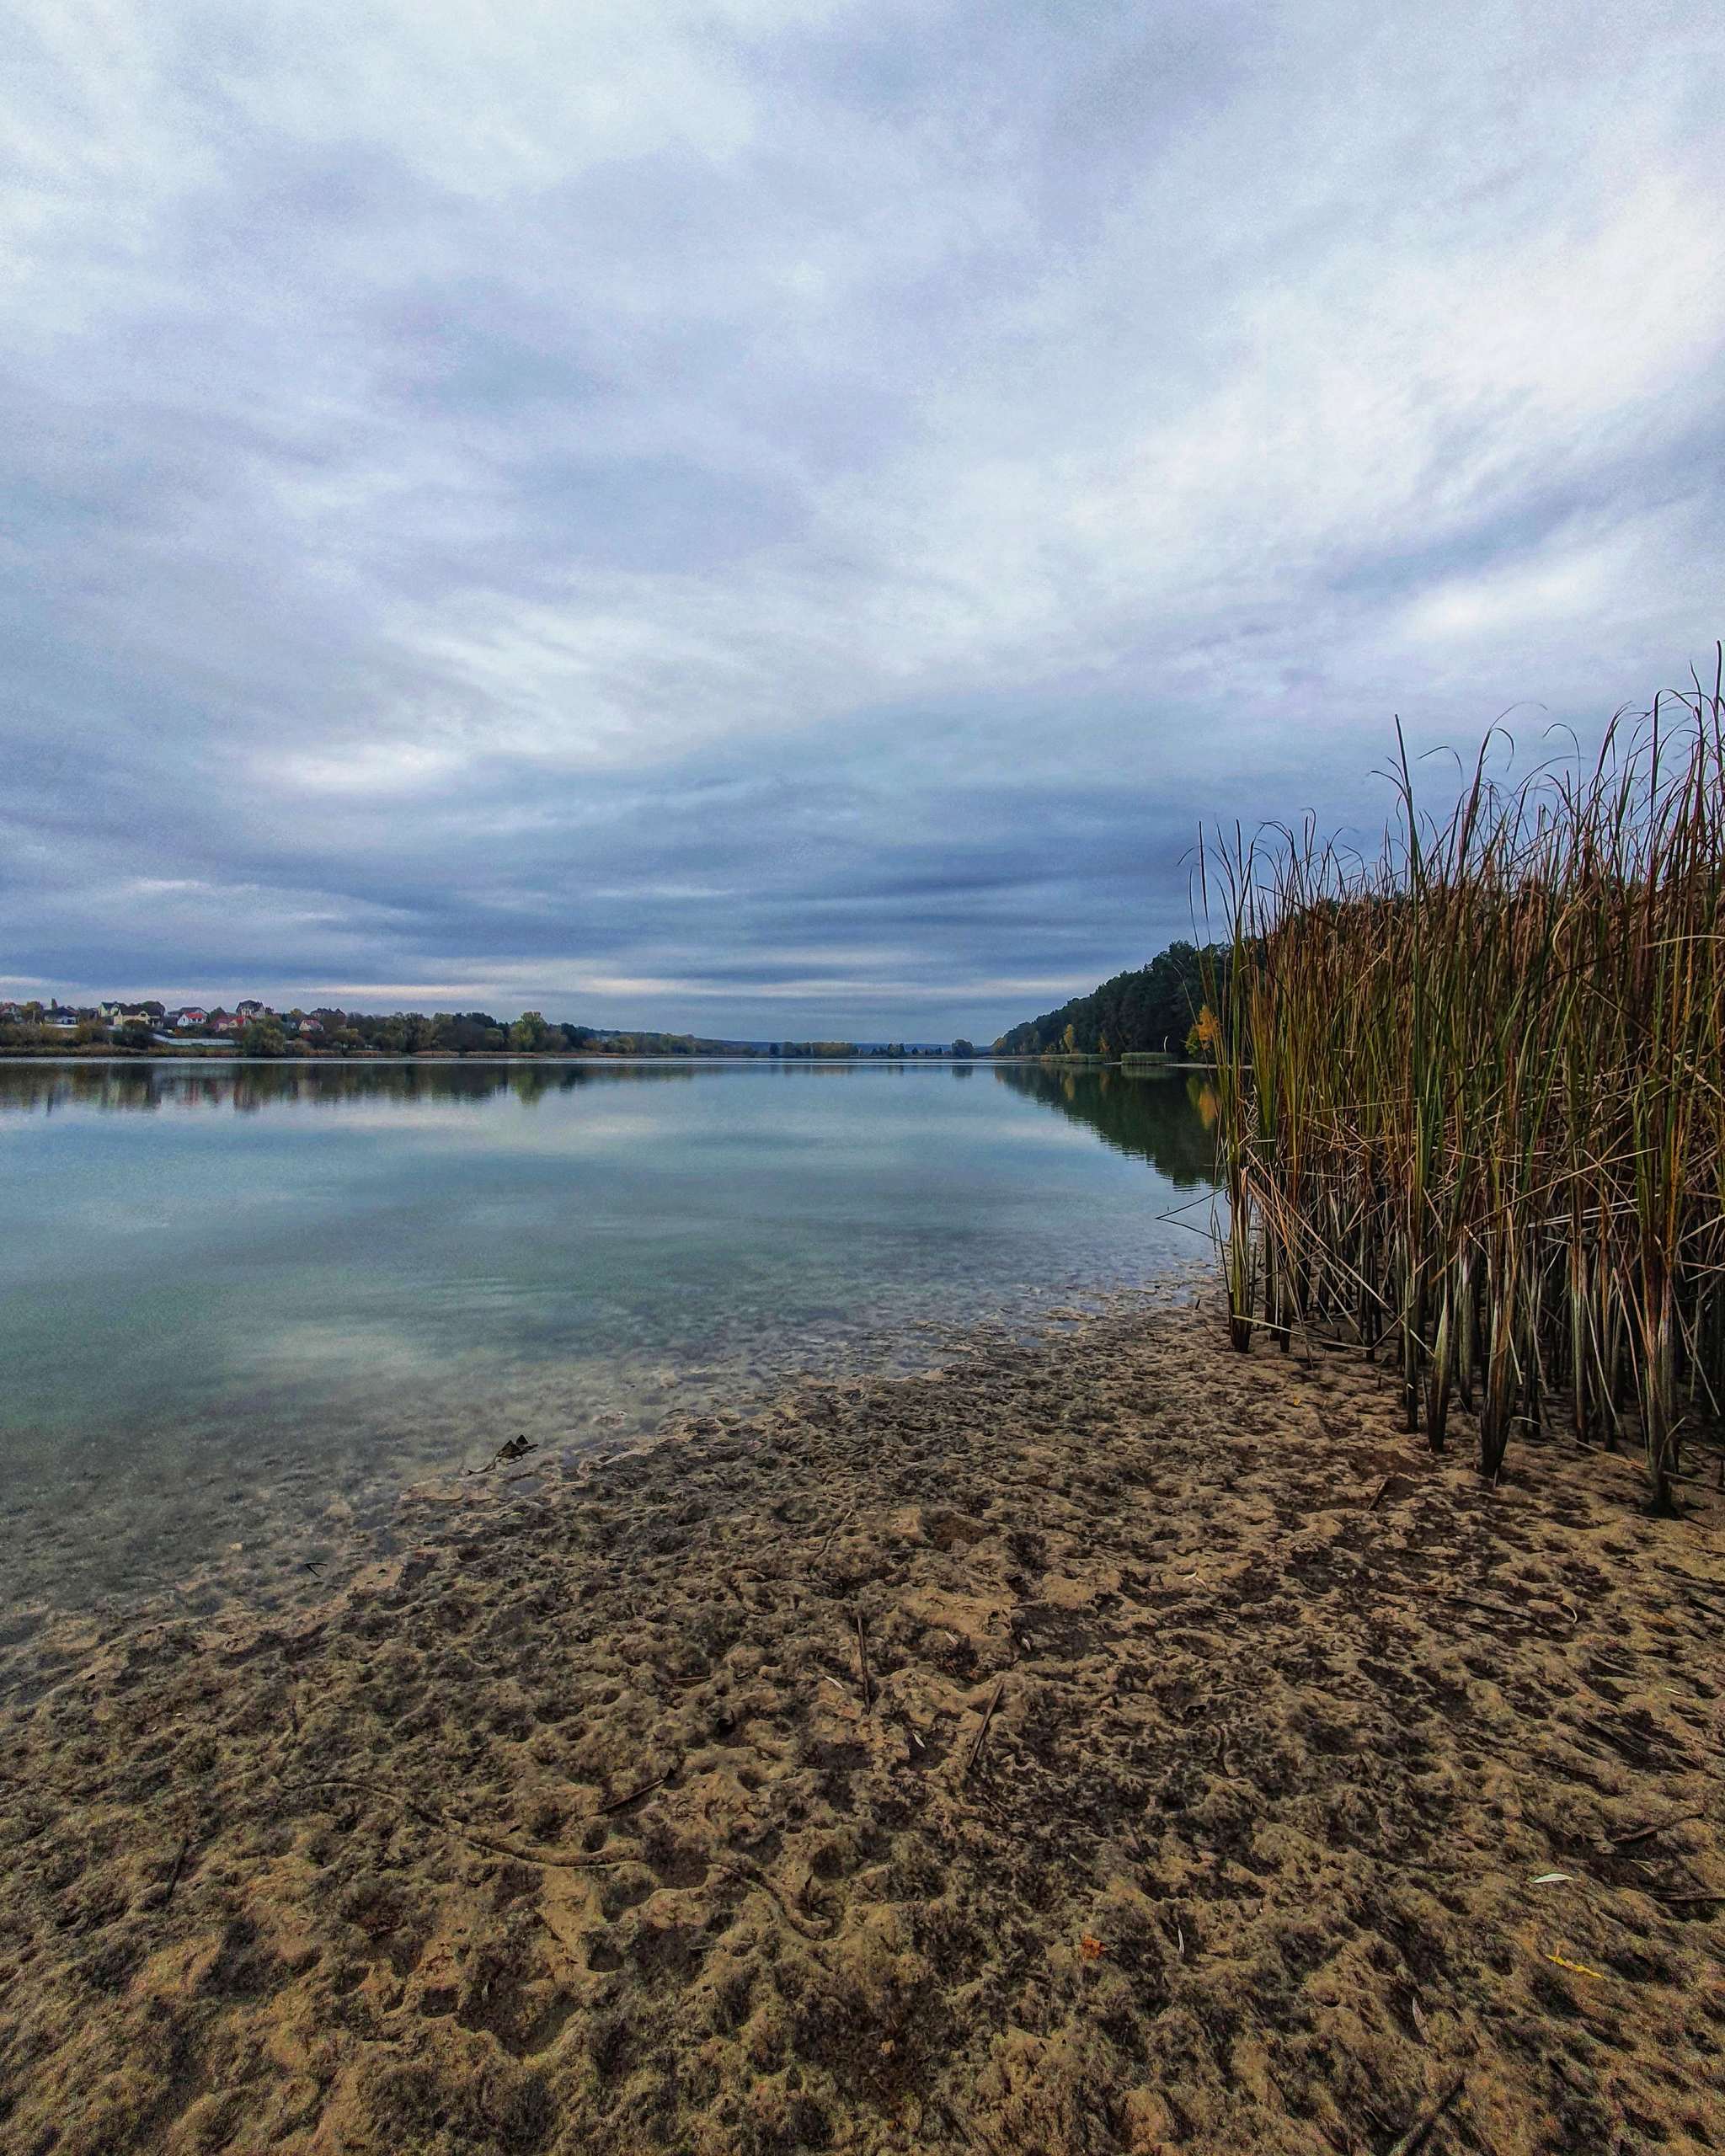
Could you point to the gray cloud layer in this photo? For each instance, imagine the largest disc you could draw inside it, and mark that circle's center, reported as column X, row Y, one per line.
column 782, row 520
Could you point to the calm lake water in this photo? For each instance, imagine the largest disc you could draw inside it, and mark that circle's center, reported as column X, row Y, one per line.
column 235, row 1302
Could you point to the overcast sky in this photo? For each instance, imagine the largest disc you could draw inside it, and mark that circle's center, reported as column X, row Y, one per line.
column 782, row 520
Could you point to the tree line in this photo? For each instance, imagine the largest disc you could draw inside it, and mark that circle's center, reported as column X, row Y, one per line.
column 24, row 1030
column 469, row 1033
column 1154, row 1009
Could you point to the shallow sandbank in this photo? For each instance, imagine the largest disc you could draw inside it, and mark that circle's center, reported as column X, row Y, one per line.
column 1170, row 1795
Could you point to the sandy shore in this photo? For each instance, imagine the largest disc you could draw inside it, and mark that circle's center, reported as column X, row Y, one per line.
column 1060, row 1752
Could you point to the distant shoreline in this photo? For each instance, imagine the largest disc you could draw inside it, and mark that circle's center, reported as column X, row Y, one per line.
column 227, row 1058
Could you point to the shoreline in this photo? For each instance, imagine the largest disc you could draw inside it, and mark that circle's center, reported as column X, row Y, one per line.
column 1102, row 1741
column 276, row 1525
column 1140, row 1066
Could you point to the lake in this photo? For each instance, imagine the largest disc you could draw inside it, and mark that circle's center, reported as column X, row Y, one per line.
column 238, row 1305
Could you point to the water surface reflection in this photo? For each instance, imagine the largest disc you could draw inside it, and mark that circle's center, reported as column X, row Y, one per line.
column 236, row 1298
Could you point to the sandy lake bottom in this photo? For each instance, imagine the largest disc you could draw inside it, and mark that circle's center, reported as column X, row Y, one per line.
column 1106, row 1742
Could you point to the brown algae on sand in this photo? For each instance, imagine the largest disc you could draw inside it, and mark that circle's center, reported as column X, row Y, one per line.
column 1116, row 1744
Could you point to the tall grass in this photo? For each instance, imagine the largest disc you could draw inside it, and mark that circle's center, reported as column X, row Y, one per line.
column 1470, row 1093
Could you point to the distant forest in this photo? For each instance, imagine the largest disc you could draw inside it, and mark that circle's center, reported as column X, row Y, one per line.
column 1152, row 1009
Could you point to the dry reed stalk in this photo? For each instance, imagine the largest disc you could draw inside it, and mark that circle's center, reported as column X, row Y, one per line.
column 1470, row 1093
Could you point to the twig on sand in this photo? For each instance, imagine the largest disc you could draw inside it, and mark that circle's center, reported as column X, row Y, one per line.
column 976, row 1741
column 1487, row 1609
column 623, row 1803
column 1659, row 1827
column 1378, row 1493
column 863, row 1675
column 185, row 1850
column 1420, row 2132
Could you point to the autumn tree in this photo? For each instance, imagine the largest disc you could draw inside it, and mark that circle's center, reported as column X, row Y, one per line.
column 530, row 1033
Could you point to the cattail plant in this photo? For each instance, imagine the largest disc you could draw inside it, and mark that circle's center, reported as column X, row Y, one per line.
column 1470, row 1093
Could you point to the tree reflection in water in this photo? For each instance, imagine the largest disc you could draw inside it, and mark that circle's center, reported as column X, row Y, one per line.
column 246, row 1087
column 1167, row 1118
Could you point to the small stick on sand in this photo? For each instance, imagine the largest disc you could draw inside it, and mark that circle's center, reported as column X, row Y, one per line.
column 976, row 1751
column 623, row 1803
column 862, row 1671
column 1487, row 1609
column 1378, row 1493
column 1420, row 2132
column 1659, row 1827
column 185, row 1850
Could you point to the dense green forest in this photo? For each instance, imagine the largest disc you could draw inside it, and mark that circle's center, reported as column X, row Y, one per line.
column 1151, row 1009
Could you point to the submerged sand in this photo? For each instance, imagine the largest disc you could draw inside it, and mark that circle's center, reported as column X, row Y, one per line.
column 1112, row 1743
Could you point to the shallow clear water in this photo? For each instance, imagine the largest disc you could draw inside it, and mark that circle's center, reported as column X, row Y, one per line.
column 233, row 1301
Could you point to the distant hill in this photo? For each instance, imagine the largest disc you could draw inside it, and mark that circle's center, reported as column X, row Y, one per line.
column 1152, row 1008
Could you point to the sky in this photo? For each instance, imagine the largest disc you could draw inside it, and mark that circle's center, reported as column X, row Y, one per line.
column 785, row 521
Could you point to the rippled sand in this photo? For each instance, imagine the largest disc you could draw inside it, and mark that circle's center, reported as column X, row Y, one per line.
column 1105, row 1743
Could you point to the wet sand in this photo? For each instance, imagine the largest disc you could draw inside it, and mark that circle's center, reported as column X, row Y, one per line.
column 1108, row 1744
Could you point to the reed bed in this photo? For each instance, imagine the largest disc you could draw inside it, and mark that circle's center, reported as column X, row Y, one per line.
column 1470, row 1093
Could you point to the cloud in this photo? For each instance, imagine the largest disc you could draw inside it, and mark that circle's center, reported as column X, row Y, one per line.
column 784, row 520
